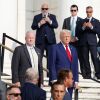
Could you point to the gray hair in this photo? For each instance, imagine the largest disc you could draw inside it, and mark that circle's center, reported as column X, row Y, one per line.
column 65, row 31
column 28, row 32
column 31, row 75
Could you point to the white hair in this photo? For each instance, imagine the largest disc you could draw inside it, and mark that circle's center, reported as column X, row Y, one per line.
column 28, row 32
column 31, row 75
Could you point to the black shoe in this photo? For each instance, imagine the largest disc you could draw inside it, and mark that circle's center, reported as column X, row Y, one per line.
column 87, row 77
column 98, row 77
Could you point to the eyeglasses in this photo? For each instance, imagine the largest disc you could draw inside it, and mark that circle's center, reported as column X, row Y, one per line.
column 15, row 94
column 88, row 11
column 73, row 10
column 44, row 8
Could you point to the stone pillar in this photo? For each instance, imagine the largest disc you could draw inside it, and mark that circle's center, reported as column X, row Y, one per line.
column 21, row 20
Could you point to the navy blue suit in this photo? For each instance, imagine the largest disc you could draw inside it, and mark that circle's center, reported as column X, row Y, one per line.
column 67, row 96
column 32, row 92
column 58, row 59
column 67, row 25
column 45, row 31
column 45, row 35
column 88, row 42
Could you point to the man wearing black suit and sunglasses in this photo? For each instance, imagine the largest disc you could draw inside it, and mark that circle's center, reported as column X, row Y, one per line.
column 72, row 23
column 44, row 24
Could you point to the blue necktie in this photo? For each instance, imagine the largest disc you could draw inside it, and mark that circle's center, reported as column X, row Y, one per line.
column 73, row 27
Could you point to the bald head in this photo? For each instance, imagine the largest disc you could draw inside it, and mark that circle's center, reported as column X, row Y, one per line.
column 65, row 36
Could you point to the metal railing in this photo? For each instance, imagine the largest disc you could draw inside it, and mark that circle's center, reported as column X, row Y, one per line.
column 5, row 47
column 2, row 50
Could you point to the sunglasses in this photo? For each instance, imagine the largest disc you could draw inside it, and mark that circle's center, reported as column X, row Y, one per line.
column 15, row 94
column 44, row 8
column 73, row 10
column 88, row 11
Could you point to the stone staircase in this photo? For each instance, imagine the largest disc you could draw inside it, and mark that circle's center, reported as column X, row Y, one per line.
column 89, row 89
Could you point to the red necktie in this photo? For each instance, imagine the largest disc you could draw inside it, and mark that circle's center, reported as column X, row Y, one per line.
column 68, row 53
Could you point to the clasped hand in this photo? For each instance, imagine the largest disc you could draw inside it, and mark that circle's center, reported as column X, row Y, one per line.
column 45, row 20
column 87, row 24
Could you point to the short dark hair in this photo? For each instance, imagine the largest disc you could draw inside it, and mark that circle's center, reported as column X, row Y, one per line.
column 72, row 6
column 56, row 83
column 89, row 7
column 10, row 87
column 63, row 74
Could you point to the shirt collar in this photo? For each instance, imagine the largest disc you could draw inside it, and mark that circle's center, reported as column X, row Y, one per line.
column 74, row 17
column 30, row 46
column 64, row 44
column 89, row 18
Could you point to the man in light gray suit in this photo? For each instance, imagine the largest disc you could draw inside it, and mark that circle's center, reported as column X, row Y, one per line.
column 26, row 56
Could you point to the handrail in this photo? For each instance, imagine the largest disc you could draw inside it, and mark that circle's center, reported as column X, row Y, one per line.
column 2, row 56
column 6, row 47
column 13, row 51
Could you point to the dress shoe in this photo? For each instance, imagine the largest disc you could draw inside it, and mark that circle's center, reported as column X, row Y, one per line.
column 98, row 77
column 87, row 77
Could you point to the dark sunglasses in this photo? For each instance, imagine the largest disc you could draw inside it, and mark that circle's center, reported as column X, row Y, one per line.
column 15, row 94
column 88, row 11
column 73, row 10
column 44, row 8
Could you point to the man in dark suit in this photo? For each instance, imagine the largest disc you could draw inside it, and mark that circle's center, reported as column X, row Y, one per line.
column 88, row 42
column 26, row 56
column 66, row 77
column 30, row 90
column 63, row 55
column 57, row 91
column 44, row 24
column 72, row 23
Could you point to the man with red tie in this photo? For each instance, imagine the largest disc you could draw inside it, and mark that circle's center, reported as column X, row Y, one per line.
column 63, row 56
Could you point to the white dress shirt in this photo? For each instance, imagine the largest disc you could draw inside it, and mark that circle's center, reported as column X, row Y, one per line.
column 33, row 57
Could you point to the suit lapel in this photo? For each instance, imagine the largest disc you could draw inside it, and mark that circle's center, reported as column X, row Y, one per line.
column 92, row 20
column 69, row 23
column 72, row 53
column 27, row 54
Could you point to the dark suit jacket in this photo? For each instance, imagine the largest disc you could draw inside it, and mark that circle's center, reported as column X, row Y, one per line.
column 66, row 24
column 45, row 29
column 67, row 96
column 58, row 59
column 21, row 62
column 89, row 35
column 32, row 92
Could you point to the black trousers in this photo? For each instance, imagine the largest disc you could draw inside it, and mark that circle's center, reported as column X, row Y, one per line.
column 44, row 46
column 85, row 54
column 80, row 56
